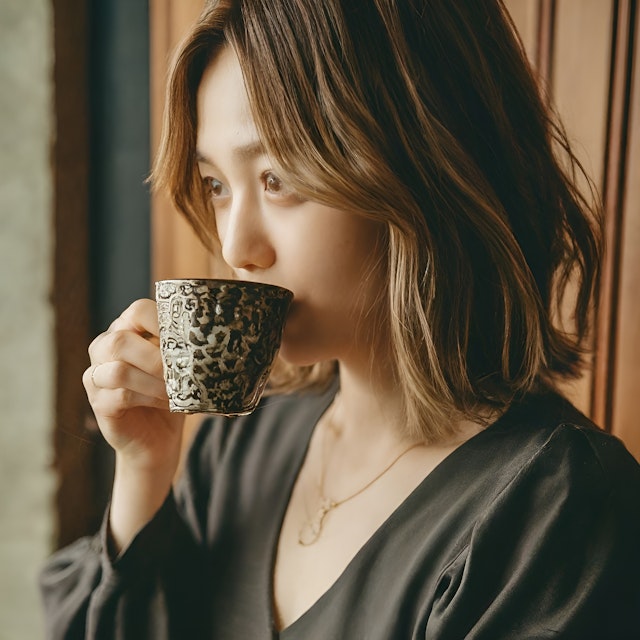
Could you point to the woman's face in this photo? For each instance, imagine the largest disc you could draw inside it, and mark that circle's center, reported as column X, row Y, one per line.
column 269, row 234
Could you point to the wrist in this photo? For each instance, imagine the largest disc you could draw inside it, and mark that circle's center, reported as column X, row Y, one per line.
column 138, row 493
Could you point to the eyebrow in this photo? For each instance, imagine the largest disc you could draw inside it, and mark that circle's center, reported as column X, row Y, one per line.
column 245, row 152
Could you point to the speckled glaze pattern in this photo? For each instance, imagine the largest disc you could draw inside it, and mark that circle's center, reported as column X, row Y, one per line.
column 218, row 340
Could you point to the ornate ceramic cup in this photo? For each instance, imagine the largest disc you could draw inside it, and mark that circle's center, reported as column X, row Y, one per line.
column 218, row 340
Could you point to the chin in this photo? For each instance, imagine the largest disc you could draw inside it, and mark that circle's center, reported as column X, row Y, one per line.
column 295, row 356
column 302, row 345
column 300, row 351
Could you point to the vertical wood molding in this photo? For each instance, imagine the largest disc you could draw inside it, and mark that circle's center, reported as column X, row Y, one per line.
column 613, row 194
column 579, row 91
column 545, row 41
column 175, row 249
column 625, row 401
column 75, row 446
column 525, row 15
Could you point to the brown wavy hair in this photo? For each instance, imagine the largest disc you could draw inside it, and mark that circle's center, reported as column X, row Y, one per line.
column 425, row 115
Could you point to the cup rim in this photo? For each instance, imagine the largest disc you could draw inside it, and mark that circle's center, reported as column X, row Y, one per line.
column 232, row 281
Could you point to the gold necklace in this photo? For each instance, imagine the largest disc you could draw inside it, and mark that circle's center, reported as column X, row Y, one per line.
column 312, row 528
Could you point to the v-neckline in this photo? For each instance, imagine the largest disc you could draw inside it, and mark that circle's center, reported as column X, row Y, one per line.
column 323, row 404
column 289, row 631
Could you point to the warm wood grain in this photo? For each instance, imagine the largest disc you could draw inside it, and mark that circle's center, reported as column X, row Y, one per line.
column 176, row 251
column 626, row 375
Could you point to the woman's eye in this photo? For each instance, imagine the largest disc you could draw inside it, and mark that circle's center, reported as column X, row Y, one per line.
column 272, row 183
column 215, row 188
column 278, row 190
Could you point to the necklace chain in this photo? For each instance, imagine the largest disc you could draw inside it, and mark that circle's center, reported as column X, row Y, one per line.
column 312, row 528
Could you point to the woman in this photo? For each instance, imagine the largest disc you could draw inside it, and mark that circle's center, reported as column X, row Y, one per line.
column 414, row 473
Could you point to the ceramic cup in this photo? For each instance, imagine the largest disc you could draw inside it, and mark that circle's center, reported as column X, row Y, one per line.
column 218, row 340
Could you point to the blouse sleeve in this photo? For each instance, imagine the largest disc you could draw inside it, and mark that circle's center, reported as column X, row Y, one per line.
column 557, row 555
column 153, row 589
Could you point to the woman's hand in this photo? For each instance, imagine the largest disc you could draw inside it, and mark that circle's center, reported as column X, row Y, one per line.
column 126, row 389
column 127, row 392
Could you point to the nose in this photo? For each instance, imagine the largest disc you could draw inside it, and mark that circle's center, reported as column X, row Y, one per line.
column 244, row 238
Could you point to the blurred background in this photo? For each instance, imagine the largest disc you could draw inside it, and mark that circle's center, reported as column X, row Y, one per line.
column 81, row 98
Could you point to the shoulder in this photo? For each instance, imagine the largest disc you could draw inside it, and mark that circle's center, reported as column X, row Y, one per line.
column 565, row 461
column 553, row 542
column 569, row 434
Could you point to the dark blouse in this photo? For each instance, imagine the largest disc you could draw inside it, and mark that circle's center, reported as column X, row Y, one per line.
column 529, row 530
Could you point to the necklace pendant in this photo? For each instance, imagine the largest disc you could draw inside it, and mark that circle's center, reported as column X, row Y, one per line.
column 308, row 534
column 311, row 530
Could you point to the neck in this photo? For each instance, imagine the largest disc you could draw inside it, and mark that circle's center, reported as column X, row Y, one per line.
column 368, row 410
column 368, row 415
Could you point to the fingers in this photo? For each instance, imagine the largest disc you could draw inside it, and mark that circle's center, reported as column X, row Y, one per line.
column 122, row 375
column 109, row 401
column 126, row 366
column 141, row 317
column 120, row 345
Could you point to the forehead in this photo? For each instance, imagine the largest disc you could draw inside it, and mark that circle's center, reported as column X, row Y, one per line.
column 223, row 110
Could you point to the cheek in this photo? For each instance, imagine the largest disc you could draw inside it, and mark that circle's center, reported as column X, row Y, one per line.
column 338, row 281
column 338, row 271
column 329, row 313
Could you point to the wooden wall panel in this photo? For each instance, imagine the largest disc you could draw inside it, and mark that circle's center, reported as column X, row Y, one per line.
column 176, row 251
column 613, row 184
column 580, row 87
column 626, row 374
column 525, row 15
column 580, row 76
column 76, row 447
column 587, row 52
